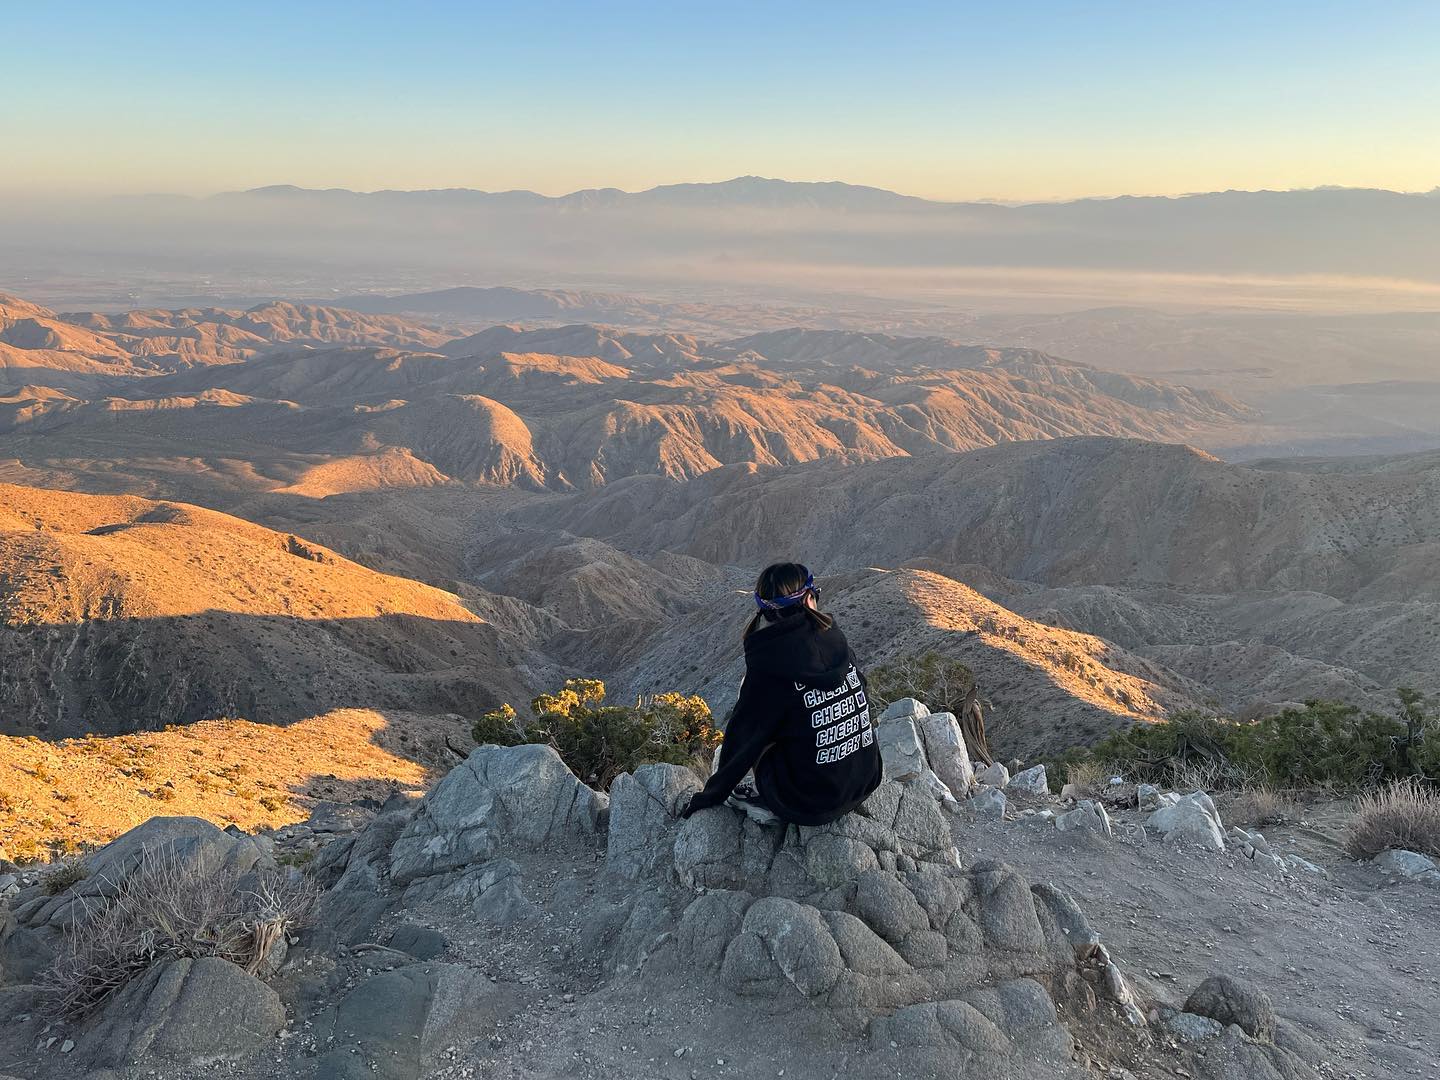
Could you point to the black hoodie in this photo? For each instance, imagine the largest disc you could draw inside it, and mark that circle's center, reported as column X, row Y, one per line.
column 802, row 723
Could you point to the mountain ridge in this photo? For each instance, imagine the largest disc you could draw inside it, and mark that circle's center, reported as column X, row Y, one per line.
column 766, row 190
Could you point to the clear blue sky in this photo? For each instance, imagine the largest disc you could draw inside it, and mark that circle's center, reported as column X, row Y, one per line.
column 1006, row 100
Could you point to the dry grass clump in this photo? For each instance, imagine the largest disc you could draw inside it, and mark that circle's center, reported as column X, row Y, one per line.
column 166, row 910
column 1404, row 815
column 1261, row 805
column 1091, row 777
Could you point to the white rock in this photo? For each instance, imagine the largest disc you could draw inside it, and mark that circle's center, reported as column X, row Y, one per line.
column 1032, row 781
column 933, row 786
column 1254, row 839
column 1410, row 864
column 1295, row 862
column 996, row 776
column 946, row 751
column 1196, row 828
column 900, row 746
column 1269, row 863
column 1197, row 803
column 907, row 706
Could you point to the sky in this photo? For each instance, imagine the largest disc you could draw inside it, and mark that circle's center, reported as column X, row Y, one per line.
column 1013, row 101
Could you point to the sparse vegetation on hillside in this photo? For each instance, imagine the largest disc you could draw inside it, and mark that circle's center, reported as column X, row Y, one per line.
column 254, row 775
column 599, row 741
column 165, row 910
column 1323, row 743
column 1405, row 814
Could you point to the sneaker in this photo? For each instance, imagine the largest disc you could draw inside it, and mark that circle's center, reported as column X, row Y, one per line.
column 754, row 808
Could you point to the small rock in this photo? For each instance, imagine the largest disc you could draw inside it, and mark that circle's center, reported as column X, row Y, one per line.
column 1295, row 862
column 1089, row 816
column 1032, row 781
column 1410, row 864
column 988, row 803
column 1230, row 1001
column 996, row 776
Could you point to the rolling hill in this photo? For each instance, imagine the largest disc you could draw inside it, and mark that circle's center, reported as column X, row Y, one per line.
column 122, row 614
column 1245, row 586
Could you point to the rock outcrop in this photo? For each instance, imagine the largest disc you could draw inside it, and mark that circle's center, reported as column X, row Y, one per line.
column 871, row 921
column 500, row 798
column 192, row 1012
column 644, row 809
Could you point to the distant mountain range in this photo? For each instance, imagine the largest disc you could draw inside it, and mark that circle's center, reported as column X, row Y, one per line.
column 753, row 229
column 760, row 192
column 747, row 191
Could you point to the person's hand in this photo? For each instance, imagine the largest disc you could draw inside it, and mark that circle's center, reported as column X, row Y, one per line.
column 690, row 807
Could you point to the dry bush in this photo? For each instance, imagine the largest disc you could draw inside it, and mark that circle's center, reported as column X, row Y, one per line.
column 1091, row 777
column 1405, row 815
column 1200, row 775
column 166, row 910
column 1259, row 805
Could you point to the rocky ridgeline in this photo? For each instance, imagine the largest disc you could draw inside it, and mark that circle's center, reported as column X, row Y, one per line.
column 941, row 969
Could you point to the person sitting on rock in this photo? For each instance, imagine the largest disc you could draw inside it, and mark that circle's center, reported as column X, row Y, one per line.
column 802, row 722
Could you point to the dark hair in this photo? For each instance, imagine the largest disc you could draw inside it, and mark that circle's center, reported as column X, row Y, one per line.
column 786, row 579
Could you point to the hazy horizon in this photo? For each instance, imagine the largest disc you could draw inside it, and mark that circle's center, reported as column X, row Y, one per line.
column 72, row 197
column 954, row 103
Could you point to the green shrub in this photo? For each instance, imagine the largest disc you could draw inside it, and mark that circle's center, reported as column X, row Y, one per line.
column 939, row 681
column 500, row 727
column 599, row 741
column 1323, row 743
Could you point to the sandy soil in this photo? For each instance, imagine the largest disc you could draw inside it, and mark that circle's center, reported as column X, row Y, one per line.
column 79, row 793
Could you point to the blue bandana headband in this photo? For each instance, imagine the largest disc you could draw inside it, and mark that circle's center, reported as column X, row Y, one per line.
column 779, row 602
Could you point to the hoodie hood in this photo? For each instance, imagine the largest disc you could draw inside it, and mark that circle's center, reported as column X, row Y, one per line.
column 791, row 648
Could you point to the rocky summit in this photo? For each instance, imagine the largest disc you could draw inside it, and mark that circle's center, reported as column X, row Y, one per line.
column 516, row 923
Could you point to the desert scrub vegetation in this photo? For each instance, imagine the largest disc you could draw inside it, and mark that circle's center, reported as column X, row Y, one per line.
column 1404, row 814
column 68, row 873
column 1321, row 744
column 599, row 741
column 1257, row 805
column 167, row 909
column 1091, row 778
column 939, row 681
